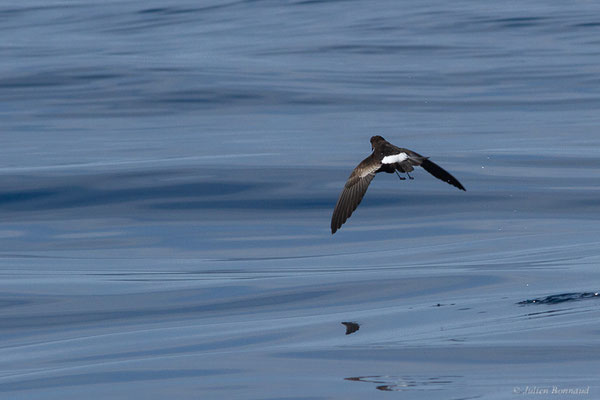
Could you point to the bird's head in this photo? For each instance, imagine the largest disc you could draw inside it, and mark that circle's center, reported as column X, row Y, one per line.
column 375, row 140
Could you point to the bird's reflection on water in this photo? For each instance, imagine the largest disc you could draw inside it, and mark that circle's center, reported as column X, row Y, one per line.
column 389, row 383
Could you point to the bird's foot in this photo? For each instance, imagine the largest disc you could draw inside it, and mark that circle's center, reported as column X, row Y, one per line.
column 409, row 177
column 400, row 177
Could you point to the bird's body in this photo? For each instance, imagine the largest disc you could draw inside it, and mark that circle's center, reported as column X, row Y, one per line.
column 385, row 158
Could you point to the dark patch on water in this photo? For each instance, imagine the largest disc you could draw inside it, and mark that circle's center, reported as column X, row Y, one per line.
column 310, row 2
column 518, row 22
column 229, row 305
column 351, row 327
column 561, row 298
column 380, row 49
column 78, row 193
column 588, row 25
column 110, row 377
column 212, row 344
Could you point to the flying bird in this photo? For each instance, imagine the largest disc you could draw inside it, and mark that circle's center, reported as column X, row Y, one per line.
column 385, row 158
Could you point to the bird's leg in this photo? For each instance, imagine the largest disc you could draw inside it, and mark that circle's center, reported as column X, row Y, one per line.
column 401, row 178
column 409, row 177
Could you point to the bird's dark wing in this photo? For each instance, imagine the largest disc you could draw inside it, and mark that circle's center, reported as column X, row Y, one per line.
column 433, row 169
column 354, row 190
column 441, row 173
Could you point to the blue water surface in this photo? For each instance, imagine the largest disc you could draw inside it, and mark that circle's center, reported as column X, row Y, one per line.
column 169, row 170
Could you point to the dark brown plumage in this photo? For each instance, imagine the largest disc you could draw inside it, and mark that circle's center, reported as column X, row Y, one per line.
column 385, row 158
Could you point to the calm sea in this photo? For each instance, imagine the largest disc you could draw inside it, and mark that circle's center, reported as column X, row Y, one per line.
column 168, row 172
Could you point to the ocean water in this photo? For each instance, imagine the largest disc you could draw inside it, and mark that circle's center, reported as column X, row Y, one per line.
column 169, row 169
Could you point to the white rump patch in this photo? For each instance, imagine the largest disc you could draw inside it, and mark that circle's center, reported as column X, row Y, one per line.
column 394, row 158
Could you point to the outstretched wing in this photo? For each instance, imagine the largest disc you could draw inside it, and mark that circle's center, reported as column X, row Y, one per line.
column 433, row 169
column 441, row 173
column 354, row 190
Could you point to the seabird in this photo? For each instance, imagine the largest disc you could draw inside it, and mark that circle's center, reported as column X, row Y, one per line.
column 385, row 158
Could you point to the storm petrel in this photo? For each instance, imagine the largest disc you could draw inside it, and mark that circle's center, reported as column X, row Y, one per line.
column 385, row 158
